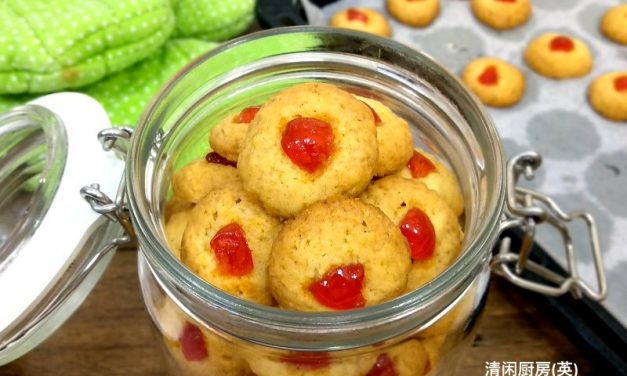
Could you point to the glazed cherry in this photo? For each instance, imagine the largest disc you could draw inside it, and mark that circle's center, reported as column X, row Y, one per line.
column 420, row 166
column 308, row 143
column 383, row 367
column 620, row 83
column 562, row 44
column 490, row 76
column 420, row 234
column 232, row 252
column 216, row 158
column 307, row 360
column 193, row 343
column 247, row 115
column 356, row 15
column 340, row 288
column 377, row 119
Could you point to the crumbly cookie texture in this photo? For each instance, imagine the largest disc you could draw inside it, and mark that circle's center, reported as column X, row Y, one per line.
column 219, row 210
column 408, row 358
column 613, row 24
column 195, row 180
column 608, row 95
column 362, row 19
column 337, row 233
column 393, row 138
column 558, row 56
column 395, row 196
column 502, row 14
column 494, row 81
column 227, row 136
column 174, row 229
column 277, row 181
column 175, row 205
column 439, row 179
column 414, row 13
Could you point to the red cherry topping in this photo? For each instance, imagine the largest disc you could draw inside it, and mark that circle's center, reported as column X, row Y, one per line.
column 490, row 76
column 231, row 250
column 193, row 343
column 308, row 142
column 562, row 43
column 420, row 166
column 419, row 232
column 620, row 83
column 377, row 119
column 383, row 367
column 356, row 15
column 340, row 288
column 247, row 115
column 216, row 158
column 307, row 360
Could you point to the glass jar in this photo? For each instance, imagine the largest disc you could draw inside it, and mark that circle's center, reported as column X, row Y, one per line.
column 421, row 332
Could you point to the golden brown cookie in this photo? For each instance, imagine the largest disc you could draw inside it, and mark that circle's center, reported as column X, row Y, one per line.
column 435, row 347
column 176, row 205
column 192, row 182
column 608, row 95
column 428, row 223
column 502, row 14
column 307, row 143
column 228, row 241
column 558, row 56
column 393, row 137
column 226, row 137
column 614, row 24
column 418, row 13
column 343, row 363
column 455, row 318
column 362, row 19
column 496, row 82
column 428, row 170
column 174, row 229
column 347, row 253
column 409, row 358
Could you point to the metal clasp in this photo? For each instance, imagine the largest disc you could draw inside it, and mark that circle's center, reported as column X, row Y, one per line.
column 527, row 209
column 117, row 140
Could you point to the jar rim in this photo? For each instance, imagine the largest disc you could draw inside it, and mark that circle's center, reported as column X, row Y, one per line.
column 170, row 272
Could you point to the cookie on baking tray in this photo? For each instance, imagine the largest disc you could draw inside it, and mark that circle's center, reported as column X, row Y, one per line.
column 558, row 56
column 428, row 170
column 608, row 95
column 308, row 142
column 417, row 13
column 336, row 255
column 227, row 243
column 427, row 222
column 393, row 138
column 502, row 14
column 494, row 81
column 226, row 137
column 362, row 19
column 614, row 24
column 195, row 180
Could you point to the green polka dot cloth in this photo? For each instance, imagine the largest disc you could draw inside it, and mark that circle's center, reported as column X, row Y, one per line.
column 52, row 45
column 215, row 20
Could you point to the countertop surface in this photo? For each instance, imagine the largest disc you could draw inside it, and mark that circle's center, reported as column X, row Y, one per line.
column 111, row 334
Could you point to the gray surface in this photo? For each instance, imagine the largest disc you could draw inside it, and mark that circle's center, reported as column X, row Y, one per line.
column 585, row 156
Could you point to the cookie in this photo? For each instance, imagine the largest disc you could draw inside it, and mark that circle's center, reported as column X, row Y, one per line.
column 195, row 180
column 614, row 24
column 608, row 95
column 558, row 56
column 347, row 253
column 344, row 363
column 435, row 348
column 409, row 358
column 495, row 82
column 174, row 229
column 228, row 241
column 502, row 14
column 393, row 138
column 428, row 170
column 307, row 143
column 193, row 350
column 455, row 318
column 428, row 223
column 226, row 137
column 362, row 19
column 175, row 205
column 415, row 13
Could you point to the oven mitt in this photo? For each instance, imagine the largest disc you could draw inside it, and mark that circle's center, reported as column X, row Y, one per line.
column 126, row 94
column 53, row 45
column 215, row 20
